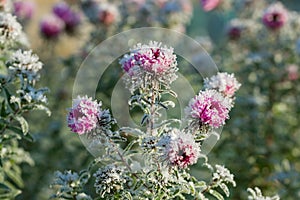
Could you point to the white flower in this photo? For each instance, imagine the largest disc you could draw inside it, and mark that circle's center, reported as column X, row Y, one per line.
column 10, row 29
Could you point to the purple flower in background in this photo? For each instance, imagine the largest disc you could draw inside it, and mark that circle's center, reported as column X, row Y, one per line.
column 209, row 5
column 67, row 15
column 24, row 9
column 51, row 26
column 275, row 16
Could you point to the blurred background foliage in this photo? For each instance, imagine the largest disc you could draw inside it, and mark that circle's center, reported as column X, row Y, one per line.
column 260, row 145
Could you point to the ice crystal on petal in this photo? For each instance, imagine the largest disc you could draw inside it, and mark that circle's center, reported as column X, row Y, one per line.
column 209, row 107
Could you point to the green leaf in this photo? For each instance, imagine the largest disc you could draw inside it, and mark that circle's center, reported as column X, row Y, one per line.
column 216, row 194
column 4, row 188
column 15, row 177
column 23, row 123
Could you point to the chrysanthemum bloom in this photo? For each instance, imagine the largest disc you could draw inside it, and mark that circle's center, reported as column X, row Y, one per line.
column 209, row 107
column 67, row 15
column 223, row 82
column 275, row 16
column 83, row 116
column 293, row 73
column 24, row 9
column 108, row 14
column 109, row 180
column 152, row 62
column 51, row 26
column 10, row 29
column 209, row 5
column 182, row 150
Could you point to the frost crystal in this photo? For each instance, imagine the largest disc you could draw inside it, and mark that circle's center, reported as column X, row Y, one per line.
column 222, row 174
column 209, row 107
column 224, row 83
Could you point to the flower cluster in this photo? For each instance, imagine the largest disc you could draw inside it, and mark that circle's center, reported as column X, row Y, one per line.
column 25, row 64
column 224, row 83
column 152, row 62
column 209, row 107
column 84, row 115
column 10, row 29
column 109, row 180
column 181, row 149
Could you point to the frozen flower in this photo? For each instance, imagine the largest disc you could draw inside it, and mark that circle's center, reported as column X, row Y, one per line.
column 24, row 9
column 51, row 26
column 10, row 29
column 256, row 194
column 68, row 16
column 223, row 82
column 223, row 175
column 25, row 63
column 209, row 5
column 182, row 150
column 108, row 14
column 234, row 29
column 109, row 180
column 84, row 115
column 209, row 107
column 293, row 73
column 148, row 63
column 275, row 16
column 66, row 178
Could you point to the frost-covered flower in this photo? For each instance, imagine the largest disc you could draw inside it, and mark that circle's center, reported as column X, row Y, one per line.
column 147, row 63
column 223, row 175
column 67, row 15
column 209, row 107
column 181, row 150
column 25, row 63
column 223, row 82
column 108, row 14
column 235, row 29
column 256, row 194
column 109, row 180
column 209, row 5
column 10, row 29
column 84, row 115
column 51, row 26
column 24, row 9
column 293, row 73
column 275, row 16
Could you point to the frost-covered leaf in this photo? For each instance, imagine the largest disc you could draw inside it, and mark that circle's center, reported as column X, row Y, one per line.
column 23, row 123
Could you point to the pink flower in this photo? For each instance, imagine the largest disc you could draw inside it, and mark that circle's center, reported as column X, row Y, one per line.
column 83, row 116
column 210, row 107
column 51, row 26
column 224, row 83
column 182, row 150
column 209, row 5
column 293, row 72
column 152, row 58
column 275, row 16
column 108, row 14
column 24, row 9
